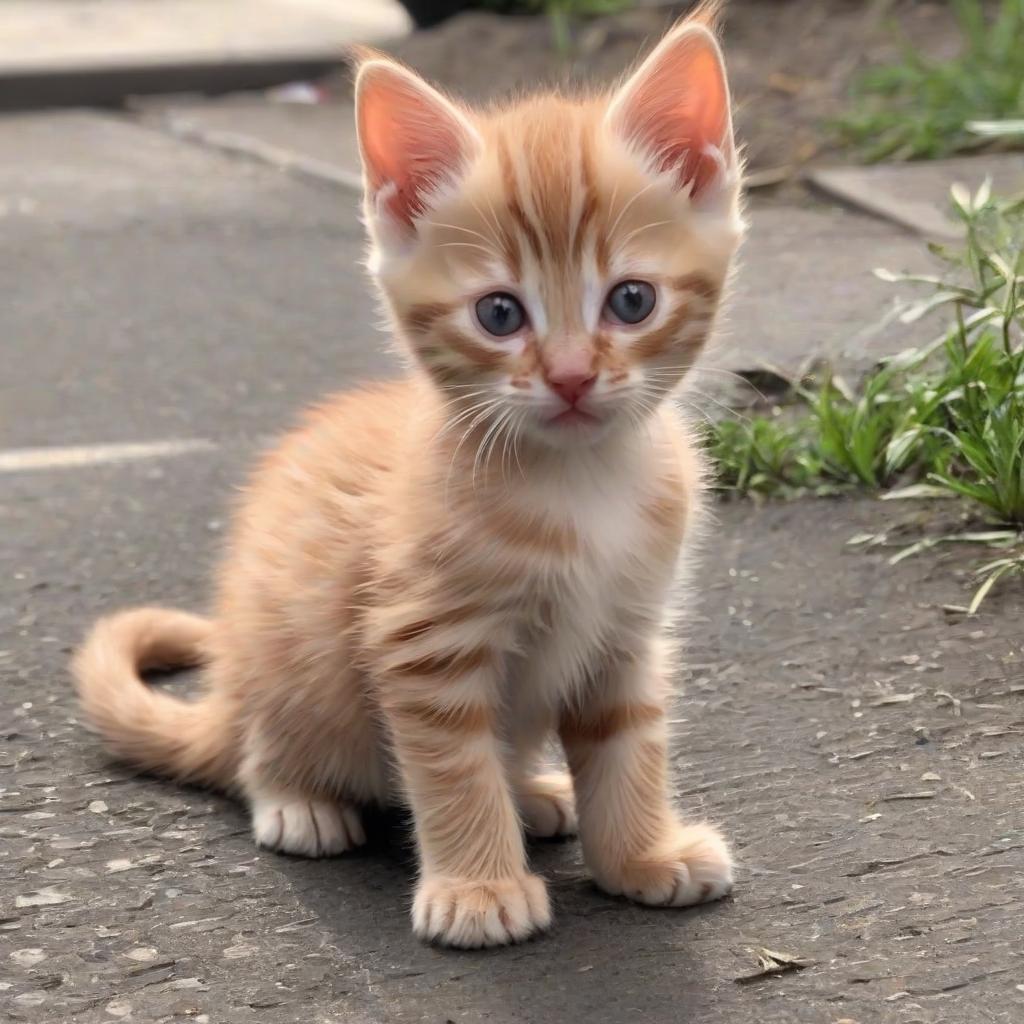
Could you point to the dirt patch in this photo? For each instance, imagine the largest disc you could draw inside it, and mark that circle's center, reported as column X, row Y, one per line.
column 790, row 61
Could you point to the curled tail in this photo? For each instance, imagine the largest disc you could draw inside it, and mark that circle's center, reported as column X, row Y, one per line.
column 187, row 740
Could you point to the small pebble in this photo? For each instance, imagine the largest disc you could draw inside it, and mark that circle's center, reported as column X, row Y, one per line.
column 28, row 957
column 142, row 954
column 35, row 998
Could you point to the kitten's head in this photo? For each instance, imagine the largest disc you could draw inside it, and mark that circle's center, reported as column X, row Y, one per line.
column 556, row 262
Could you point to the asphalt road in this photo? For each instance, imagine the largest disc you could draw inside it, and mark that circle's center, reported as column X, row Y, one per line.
column 150, row 291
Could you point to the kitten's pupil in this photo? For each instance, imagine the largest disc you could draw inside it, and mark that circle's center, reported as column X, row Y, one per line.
column 500, row 314
column 632, row 301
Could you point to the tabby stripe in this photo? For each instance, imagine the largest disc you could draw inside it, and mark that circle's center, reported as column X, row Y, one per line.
column 515, row 206
column 655, row 342
column 418, row 628
column 596, row 726
column 523, row 530
column 589, row 208
column 451, row 664
column 445, row 776
column 696, row 283
column 420, row 318
column 469, row 349
column 464, row 718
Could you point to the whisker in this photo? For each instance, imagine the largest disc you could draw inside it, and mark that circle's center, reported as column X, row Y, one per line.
column 488, row 407
column 622, row 212
column 505, row 422
column 512, row 439
column 449, row 424
column 471, row 245
column 518, row 429
column 457, row 227
column 709, row 398
column 700, row 368
column 696, row 369
column 491, row 221
column 482, row 448
column 736, row 376
column 639, row 230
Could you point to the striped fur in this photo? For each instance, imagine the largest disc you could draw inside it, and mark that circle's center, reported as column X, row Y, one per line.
column 429, row 578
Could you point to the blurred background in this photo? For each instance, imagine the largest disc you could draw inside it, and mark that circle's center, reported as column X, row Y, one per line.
column 813, row 79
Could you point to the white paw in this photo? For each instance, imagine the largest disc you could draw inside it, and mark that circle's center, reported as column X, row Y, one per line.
column 307, row 828
column 469, row 914
column 693, row 866
column 547, row 806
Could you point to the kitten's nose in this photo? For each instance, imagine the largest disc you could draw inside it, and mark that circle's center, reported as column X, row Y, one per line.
column 569, row 372
column 571, row 386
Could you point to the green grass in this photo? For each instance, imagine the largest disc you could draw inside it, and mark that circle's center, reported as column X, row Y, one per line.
column 945, row 420
column 923, row 108
column 561, row 15
column 763, row 456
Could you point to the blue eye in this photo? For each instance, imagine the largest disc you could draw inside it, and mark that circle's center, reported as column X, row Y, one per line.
column 631, row 302
column 500, row 314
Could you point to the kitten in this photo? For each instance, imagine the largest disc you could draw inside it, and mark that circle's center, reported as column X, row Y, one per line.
column 431, row 577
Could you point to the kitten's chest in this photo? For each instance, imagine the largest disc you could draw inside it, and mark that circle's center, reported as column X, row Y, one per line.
column 615, row 573
column 583, row 560
column 599, row 535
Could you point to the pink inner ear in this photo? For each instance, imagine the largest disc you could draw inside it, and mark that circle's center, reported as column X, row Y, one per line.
column 411, row 139
column 677, row 107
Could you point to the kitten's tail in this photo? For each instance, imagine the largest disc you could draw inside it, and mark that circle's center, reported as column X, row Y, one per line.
column 186, row 740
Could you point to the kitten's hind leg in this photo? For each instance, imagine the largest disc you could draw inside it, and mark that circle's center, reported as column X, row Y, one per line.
column 305, row 779
column 545, row 798
column 546, row 805
column 290, row 822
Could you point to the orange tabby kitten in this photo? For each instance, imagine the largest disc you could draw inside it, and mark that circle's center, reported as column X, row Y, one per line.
column 431, row 577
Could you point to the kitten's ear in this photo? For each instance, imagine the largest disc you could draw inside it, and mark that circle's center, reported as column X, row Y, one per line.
column 412, row 140
column 675, row 109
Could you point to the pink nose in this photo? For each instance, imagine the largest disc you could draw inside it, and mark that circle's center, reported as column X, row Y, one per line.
column 571, row 386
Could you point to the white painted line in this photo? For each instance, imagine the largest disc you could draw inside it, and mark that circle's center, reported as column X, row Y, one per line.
column 27, row 459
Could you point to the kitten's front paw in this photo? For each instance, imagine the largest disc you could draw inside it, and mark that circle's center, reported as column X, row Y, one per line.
column 306, row 828
column 469, row 914
column 694, row 866
column 547, row 805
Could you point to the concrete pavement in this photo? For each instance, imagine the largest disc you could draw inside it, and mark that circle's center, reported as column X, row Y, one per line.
column 153, row 290
column 140, row 258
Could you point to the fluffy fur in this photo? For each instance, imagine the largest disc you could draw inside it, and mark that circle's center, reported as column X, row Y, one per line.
column 431, row 577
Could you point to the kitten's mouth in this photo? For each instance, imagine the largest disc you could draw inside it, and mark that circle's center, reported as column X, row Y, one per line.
column 574, row 416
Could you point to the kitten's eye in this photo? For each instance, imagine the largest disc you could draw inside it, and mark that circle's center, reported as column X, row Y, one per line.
column 500, row 314
column 631, row 302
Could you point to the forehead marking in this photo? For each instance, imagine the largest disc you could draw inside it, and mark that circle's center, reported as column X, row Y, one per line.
column 515, row 205
column 588, row 208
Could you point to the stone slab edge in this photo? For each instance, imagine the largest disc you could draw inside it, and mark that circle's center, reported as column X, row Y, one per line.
column 252, row 148
column 104, row 85
column 855, row 187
